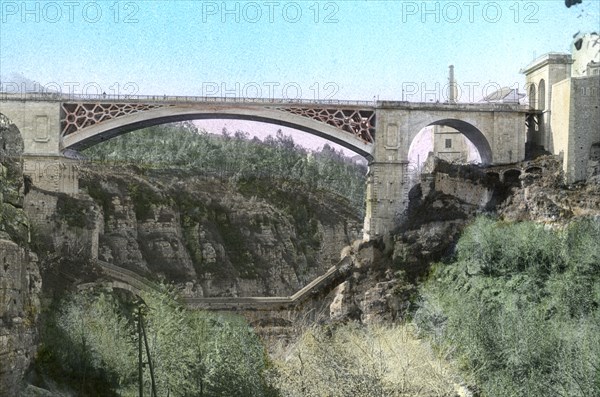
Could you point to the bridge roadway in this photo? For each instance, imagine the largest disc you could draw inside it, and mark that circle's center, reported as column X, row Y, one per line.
column 173, row 99
column 133, row 282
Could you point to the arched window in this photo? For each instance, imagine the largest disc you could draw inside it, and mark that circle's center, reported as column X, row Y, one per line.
column 532, row 101
column 542, row 95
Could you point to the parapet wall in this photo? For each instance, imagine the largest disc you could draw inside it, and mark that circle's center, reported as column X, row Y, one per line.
column 469, row 191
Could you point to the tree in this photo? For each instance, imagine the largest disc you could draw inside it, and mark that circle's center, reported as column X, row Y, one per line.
column 92, row 342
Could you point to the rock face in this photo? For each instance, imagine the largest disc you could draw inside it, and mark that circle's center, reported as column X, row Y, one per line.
column 20, row 285
column 209, row 236
column 20, row 282
column 382, row 281
column 543, row 197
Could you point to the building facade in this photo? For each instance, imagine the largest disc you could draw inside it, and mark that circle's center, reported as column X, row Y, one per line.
column 450, row 144
column 564, row 89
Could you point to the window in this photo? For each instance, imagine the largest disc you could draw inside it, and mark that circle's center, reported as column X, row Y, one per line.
column 542, row 95
column 448, row 143
column 532, row 100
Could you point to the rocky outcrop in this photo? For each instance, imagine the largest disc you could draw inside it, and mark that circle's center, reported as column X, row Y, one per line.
column 543, row 197
column 20, row 286
column 20, row 282
column 208, row 235
column 382, row 283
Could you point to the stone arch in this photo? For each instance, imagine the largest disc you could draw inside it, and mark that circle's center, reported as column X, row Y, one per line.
column 511, row 177
column 97, row 133
column 541, row 95
column 534, row 170
column 532, row 96
column 113, row 284
column 472, row 133
column 494, row 176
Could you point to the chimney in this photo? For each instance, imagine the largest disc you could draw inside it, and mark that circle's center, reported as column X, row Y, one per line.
column 452, row 94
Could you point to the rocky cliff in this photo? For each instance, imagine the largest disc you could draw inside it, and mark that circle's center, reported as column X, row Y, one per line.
column 382, row 284
column 215, row 236
column 209, row 235
column 20, row 281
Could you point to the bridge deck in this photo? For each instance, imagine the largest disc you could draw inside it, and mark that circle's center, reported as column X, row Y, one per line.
column 235, row 100
column 225, row 303
column 179, row 99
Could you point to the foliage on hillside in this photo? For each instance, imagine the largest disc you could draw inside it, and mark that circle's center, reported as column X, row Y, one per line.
column 520, row 303
column 89, row 345
column 237, row 157
column 370, row 361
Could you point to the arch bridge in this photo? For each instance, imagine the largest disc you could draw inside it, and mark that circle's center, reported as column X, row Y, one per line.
column 381, row 131
column 124, row 279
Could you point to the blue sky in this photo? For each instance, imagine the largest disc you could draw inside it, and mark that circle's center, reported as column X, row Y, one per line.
column 362, row 49
column 314, row 49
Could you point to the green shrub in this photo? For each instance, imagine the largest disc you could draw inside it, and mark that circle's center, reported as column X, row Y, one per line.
column 144, row 198
column 89, row 343
column 75, row 212
column 521, row 306
column 351, row 360
column 100, row 196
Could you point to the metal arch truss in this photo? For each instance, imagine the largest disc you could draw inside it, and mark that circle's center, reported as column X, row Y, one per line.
column 77, row 116
column 360, row 123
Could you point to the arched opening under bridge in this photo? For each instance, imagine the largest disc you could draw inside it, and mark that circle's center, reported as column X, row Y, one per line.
column 454, row 141
column 106, row 130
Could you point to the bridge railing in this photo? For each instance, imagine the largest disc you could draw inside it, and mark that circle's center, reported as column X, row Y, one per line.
column 188, row 99
column 174, row 99
column 234, row 100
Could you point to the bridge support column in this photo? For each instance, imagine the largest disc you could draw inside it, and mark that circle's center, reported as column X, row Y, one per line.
column 388, row 184
column 52, row 173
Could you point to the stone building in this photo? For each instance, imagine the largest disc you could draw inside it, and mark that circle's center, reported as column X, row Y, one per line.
column 450, row 144
column 564, row 89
